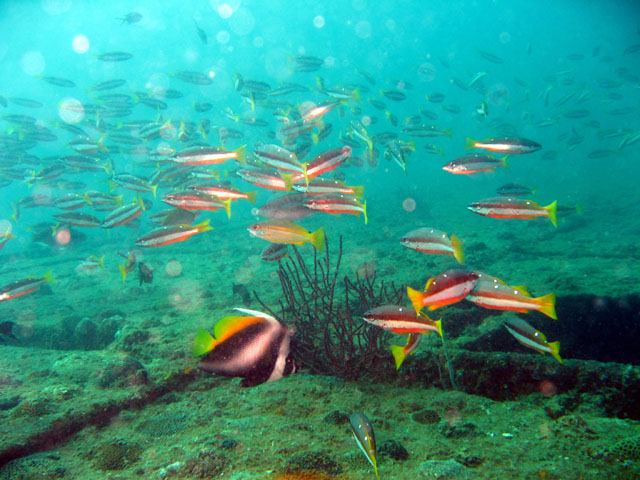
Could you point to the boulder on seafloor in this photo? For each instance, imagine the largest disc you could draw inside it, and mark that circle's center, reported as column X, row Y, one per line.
column 117, row 455
column 122, row 371
column 445, row 470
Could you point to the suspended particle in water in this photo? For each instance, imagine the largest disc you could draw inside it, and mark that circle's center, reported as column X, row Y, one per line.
column 173, row 268
column 409, row 204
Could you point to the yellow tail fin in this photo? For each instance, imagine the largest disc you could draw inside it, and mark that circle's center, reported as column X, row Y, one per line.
column 398, row 355
column 251, row 196
column 203, row 226
column 458, row 253
column 317, row 239
column 470, row 143
column 552, row 210
column 548, row 305
column 555, row 350
column 358, row 191
column 364, row 210
column 123, row 272
column 415, row 297
column 241, row 155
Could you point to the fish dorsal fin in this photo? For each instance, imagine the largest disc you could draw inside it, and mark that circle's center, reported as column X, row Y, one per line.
column 429, row 283
column 228, row 326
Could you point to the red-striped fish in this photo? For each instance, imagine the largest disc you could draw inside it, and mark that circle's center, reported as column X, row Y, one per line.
column 267, row 178
column 399, row 319
column 532, row 338
column 122, row 215
column 171, row 234
column 286, row 207
column 24, row 286
column 78, row 219
column 449, row 287
column 474, row 164
column 497, row 296
column 508, row 145
column 321, row 185
column 325, row 162
column 435, row 242
column 279, row 158
column 225, row 192
column 195, row 200
column 208, row 155
column 512, row 207
column 284, row 231
column 337, row 203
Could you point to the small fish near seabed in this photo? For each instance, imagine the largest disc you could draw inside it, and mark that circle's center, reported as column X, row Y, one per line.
column 451, row 286
column 254, row 347
column 22, row 287
column 434, row 242
column 511, row 207
column 364, row 437
column 532, row 338
column 284, row 231
column 145, row 274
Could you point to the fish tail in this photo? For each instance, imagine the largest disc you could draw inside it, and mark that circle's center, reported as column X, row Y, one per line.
column 288, row 181
column 364, row 210
column 398, row 355
column 358, row 191
column 203, row 343
column 458, row 253
column 153, row 190
column 304, row 171
column 438, row 324
column 203, row 226
column 552, row 210
column 415, row 297
column 241, row 155
column 548, row 305
column 123, row 272
column 315, row 138
column 87, row 199
column 251, row 196
column 48, row 277
column 504, row 161
column 470, row 143
column 111, row 185
column 555, row 350
column 227, row 207
column 579, row 209
column 447, row 132
column 355, row 95
column 317, row 239
column 119, row 199
column 140, row 202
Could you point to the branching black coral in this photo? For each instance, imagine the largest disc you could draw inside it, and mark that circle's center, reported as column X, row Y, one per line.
column 331, row 338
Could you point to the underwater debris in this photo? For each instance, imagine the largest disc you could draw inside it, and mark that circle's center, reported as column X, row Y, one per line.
column 330, row 338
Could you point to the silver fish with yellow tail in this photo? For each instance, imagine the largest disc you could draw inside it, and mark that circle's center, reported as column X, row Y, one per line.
column 364, row 436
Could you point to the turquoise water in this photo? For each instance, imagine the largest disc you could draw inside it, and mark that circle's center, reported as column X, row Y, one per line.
column 563, row 74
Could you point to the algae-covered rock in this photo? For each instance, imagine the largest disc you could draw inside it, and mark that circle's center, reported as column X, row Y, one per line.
column 117, row 455
column 313, row 462
column 426, row 417
column 39, row 466
column 444, row 470
column 208, row 464
column 336, row 418
column 393, row 449
column 122, row 372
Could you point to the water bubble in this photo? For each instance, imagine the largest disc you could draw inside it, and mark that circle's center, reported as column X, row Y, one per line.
column 366, row 121
column 318, row 21
column 505, row 37
column 409, row 204
column 225, row 10
column 80, row 44
column 32, row 62
column 158, row 84
column 242, row 22
column 427, row 72
column 63, row 236
column 223, row 37
column 71, row 110
column 173, row 268
column 363, row 29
